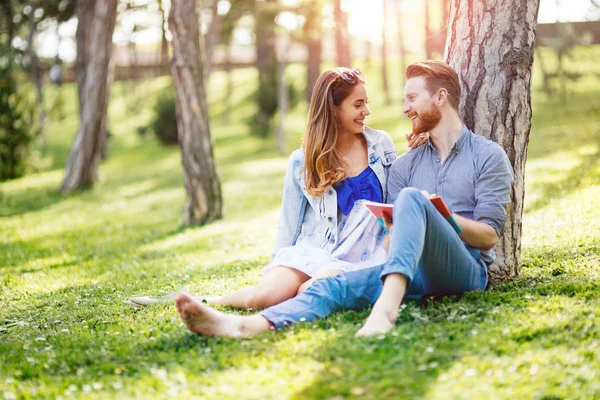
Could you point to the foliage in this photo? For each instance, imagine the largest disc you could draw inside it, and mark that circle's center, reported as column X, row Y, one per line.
column 164, row 124
column 68, row 264
column 18, row 121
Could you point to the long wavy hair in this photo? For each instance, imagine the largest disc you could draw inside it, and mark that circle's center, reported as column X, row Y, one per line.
column 323, row 164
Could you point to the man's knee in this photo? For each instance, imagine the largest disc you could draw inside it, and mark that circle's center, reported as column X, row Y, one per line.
column 409, row 194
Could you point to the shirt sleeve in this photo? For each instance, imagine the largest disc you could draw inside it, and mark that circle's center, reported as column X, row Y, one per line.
column 293, row 205
column 492, row 189
column 398, row 178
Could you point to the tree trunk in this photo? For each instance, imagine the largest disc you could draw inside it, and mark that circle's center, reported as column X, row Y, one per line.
column 401, row 48
column 213, row 35
column 34, row 62
column 491, row 45
column 342, row 42
column 84, row 10
column 204, row 201
column 84, row 158
column 428, row 35
column 229, row 85
column 384, row 74
column 266, row 62
column 164, row 43
column 314, row 31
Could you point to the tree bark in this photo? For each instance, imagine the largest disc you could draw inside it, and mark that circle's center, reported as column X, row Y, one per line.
column 428, row 35
column 314, row 30
column 34, row 62
column 384, row 74
column 212, row 36
column 82, row 165
column 266, row 63
column 342, row 41
column 491, row 45
column 204, row 201
column 401, row 48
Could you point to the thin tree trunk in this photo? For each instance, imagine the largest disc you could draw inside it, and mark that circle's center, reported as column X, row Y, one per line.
column 342, row 42
column 401, row 48
column 282, row 96
column 84, row 10
column 164, row 44
column 204, row 201
column 229, row 85
column 213, row 35
column 428, row 36
column 314, row 31
column 266, row 62
column 34, row 61
column 384, row 74
column 491, row 44
column 82, row 165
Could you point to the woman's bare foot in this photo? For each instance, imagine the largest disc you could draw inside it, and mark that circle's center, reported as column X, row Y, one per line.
column 207, row 321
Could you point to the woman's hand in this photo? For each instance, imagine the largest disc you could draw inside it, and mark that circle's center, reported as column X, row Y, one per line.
column 416, row 140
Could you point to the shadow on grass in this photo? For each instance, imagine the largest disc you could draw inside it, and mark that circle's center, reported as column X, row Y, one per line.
column 585, row 174
column 106, row 338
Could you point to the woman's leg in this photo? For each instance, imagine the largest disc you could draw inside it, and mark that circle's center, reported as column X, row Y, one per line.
column 320, row 274
column 279, row 284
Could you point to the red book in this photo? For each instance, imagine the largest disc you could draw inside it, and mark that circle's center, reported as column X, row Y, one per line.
column 385, row 211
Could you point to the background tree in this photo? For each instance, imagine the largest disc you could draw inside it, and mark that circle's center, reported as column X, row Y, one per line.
column 96, row 23
column 204, row 199
column 342, row 40
column 266, row 63
column 494, row 64
column 313, row 32
column 384, row 73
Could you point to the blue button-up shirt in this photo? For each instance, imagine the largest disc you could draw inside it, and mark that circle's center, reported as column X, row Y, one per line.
column 474, row 180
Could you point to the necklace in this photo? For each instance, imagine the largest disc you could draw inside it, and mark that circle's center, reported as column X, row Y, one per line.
column 345, row 155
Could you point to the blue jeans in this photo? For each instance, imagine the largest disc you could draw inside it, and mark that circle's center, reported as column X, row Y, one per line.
column 424, row 247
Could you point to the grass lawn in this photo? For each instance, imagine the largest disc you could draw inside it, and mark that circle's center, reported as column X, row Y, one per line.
column 68, row 263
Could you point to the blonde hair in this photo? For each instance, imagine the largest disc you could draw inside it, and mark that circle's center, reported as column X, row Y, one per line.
column 323, row 165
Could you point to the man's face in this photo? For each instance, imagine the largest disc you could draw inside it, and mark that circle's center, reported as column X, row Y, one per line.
column 420, row 106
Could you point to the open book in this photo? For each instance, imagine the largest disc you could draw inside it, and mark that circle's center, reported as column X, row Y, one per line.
column 385, row 212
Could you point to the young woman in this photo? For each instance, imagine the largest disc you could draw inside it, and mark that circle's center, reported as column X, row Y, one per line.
column 323, row 229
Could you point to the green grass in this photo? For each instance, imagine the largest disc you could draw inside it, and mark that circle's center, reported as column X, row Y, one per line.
column 67, row 264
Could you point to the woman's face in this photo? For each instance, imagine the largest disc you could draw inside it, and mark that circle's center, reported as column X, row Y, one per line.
column 353, row 110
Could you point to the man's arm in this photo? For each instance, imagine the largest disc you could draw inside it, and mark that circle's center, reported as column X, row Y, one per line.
column 477, row 234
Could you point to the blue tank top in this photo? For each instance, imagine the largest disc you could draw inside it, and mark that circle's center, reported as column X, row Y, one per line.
column 364, row 186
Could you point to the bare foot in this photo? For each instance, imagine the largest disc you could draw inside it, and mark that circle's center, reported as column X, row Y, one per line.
column 376, row 324
column 204, row 320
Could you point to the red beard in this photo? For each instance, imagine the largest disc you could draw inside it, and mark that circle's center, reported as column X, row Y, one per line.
column 426, row 120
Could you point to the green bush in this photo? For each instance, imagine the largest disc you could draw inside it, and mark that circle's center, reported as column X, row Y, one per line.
column 164, row 123
column 18, row 122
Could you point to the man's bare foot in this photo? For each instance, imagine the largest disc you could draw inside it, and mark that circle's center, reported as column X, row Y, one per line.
column 204, row 320
column 376, row 324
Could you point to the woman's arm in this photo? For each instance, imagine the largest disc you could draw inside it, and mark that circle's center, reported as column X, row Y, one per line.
column 293, row 204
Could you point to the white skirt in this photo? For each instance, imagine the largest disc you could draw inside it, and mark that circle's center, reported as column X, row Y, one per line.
column 359, row 246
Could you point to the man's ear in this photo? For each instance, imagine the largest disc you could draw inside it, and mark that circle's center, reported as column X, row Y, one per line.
column 442, row 96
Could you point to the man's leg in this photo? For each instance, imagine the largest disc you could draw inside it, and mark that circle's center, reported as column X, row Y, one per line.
column 350, row 290
column 426, row 249
column 427, row 255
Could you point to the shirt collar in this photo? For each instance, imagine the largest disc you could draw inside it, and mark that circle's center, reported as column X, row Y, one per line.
column 459, row 143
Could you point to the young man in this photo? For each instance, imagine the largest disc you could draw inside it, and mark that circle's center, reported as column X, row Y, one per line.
column 426, row 255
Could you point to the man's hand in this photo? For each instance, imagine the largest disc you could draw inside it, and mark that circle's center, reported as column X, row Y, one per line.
column 416, row 140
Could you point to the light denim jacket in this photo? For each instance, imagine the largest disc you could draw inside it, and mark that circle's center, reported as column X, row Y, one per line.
column 314, row 219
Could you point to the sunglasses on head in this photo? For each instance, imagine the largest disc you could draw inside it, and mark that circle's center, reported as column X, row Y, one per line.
column 351, row 76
